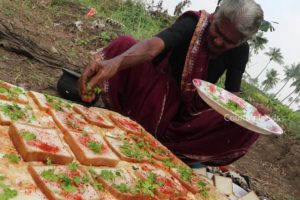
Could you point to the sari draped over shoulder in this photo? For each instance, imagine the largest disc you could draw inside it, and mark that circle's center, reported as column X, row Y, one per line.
column 173, row 112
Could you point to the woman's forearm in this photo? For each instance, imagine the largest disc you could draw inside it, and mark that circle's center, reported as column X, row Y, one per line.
column 141, row 52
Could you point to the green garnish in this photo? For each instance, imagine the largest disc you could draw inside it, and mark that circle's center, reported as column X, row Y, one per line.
column 122, row 187
column 66, row 184
column 92, row 172
column 49, row 175
column 169, row 163
column 48, row 161
column 95, row 147
column 13, row 111
column 147, row 186
column 203, row 190
column 98, row 186
column 14, row 158
column 3, row 90
column 97, row 90
column 73, row 166
column 72, row 124
column 57, row 103
column 107, row 175
column 235, row 107
column 27, row 135
column 185, row 173
column 7, row 193
column 132, row 150
column 77, row 180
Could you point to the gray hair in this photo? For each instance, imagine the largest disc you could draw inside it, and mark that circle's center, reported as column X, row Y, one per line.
column 247, row 15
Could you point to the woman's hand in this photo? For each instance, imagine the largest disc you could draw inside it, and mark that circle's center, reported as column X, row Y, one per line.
column 93, row 74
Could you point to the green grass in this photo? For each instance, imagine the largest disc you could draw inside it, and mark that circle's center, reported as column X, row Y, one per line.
column 132, row 14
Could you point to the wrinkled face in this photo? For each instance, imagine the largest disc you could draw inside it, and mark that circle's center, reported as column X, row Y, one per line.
column 222, row 36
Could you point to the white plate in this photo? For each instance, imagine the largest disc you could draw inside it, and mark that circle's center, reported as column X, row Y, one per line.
column 235, row 109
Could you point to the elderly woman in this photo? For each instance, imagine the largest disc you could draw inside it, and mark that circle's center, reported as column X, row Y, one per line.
column 151, row 81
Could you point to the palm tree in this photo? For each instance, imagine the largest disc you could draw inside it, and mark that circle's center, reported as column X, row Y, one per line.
column 275, row 56
column 271, row 79
column 296, row 84
column 296, row 100
column 258, row 42
column 289, row 73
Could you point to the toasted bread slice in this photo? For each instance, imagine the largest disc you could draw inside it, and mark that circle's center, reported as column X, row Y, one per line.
column 12, row 93
column 223, row 184
column 250, row 196
column 205, row 187
column 10, row 112
column 71, row 122
column 95, row 118
column 126, row 124
column 16, row 179
column 6, row 145
column 166, row 186
column 91, row 149
column 39, row 144
column 120, row 183
column 46, row 102
column 127, row 149
column 61, row 182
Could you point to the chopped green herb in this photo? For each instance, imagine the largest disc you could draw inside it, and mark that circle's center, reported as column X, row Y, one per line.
column 235, row 107
column 169, row 163
column 147, row 186
column 3, row 90
column 7, row 193
column 132, row 150
column 77, row 180
column 107, row 175
column 185, row 173
column 98, row 186
column 95, row 147
column 57, row 103
column 13, row 111
column 14, row 158
column 49, row 175
column 92, row 172
column 97, row 90
column 48, row 161
column 122, row 187
column 27, row 135
column 73, row 166
column 85, row 179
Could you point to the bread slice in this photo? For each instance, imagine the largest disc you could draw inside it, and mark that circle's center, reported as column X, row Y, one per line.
column 166, row 186
column 223, row 184
column 6, row 145
column 250, row 196
column 91, row 149
column 95, row 118
column 12, row 93
column 16, row 178
column 10, row 112
column 126, row 124
column 61, row 182
column 120, row 183
column 205, row 188
column 127, row 149
column 39, row 144
column 46, row 102
column 71, row 122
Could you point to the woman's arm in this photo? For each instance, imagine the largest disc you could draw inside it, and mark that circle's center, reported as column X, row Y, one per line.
column 96, row 72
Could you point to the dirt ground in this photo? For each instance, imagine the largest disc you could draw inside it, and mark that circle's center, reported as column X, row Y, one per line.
column 273, row 164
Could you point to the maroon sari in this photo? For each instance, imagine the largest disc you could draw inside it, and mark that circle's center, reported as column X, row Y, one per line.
column 172, row 112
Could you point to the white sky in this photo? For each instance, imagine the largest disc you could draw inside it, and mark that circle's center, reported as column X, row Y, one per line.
column 285, row 37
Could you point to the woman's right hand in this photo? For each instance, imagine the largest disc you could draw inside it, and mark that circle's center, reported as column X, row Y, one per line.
column 94, row 73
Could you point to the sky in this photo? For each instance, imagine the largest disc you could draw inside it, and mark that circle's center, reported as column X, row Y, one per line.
column 285, row 36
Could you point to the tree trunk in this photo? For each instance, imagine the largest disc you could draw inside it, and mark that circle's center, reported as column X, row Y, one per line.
column 20, row 44
column 288, row 96
column 263, row 69
column 281, row 88
column 294, row 99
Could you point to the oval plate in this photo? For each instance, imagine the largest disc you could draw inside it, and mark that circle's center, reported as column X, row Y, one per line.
column 236, row 109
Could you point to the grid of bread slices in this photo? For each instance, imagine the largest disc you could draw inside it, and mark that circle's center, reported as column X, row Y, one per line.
column 54, row 149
